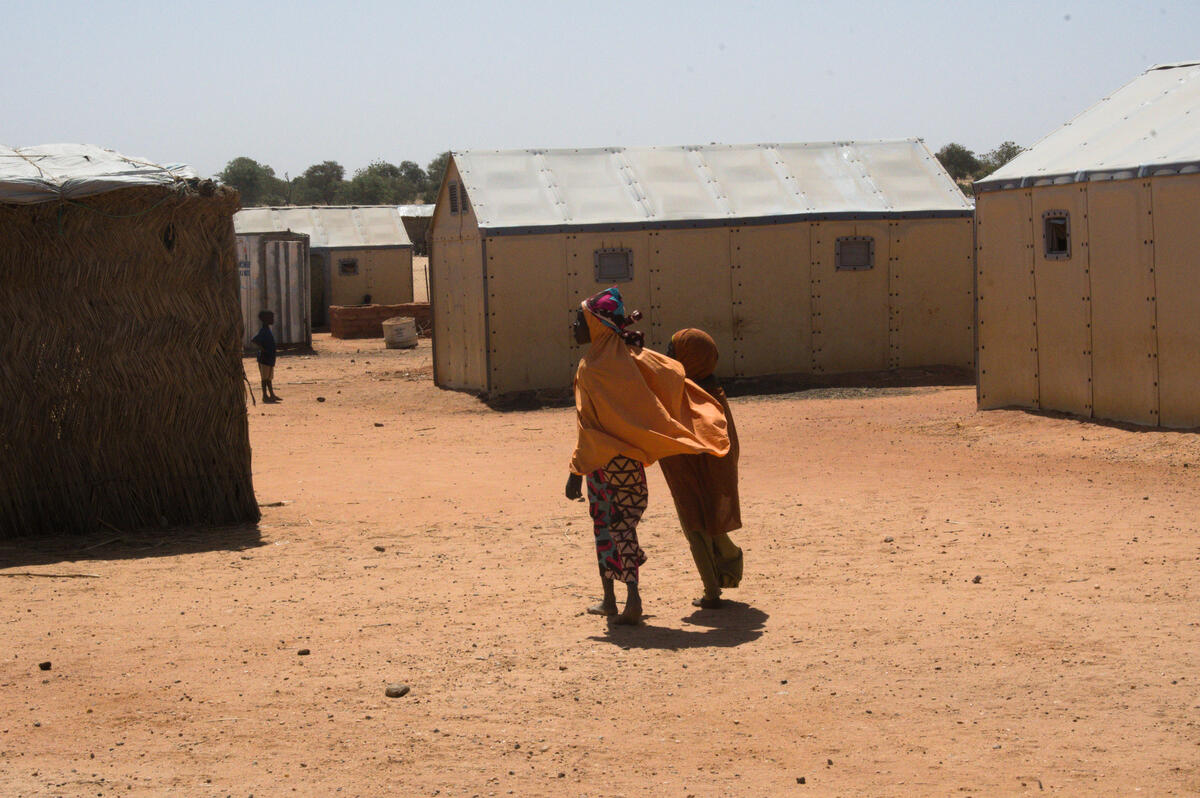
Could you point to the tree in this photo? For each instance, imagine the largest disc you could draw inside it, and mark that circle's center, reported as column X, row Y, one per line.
column 960, row 162
column 433, row 176
column 382, row 183
column 256, row 182
column 998, row 157
column 321, row 184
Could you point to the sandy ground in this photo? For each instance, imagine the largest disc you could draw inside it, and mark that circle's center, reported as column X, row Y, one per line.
column 937, row 602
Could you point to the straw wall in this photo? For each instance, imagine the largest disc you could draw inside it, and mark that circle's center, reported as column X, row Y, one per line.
column 121, row 394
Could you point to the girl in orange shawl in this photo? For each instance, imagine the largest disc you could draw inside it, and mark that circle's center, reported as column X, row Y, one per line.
column 633, row 406
column 705, row 488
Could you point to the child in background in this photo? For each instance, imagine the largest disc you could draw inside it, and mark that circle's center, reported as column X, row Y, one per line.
column 265, row 340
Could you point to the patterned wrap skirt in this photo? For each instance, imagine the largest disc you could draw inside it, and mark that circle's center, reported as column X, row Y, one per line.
column 617, row 498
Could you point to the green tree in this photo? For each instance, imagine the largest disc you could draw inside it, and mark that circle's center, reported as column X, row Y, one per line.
column 382, row 183
column 256, row 182
column 997, row 158
column 321, row 184
column 433, row 176
column 960, row 162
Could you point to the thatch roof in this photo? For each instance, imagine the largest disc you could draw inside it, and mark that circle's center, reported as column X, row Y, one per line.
column 121, row 383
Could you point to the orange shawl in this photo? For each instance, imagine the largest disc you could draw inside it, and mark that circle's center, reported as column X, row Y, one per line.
column 637, row 403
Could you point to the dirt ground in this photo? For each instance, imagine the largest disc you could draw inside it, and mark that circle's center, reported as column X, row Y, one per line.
column 936, row 602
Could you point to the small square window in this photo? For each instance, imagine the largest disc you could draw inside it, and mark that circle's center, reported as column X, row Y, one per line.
column 348, row 266
column 854, row 253
column 453, row 191
column 1056, row 234
column 614, row 265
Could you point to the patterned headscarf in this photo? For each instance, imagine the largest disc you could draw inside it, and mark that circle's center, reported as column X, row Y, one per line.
column 608, row 307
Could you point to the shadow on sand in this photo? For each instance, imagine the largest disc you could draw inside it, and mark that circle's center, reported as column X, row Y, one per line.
column 732, row 625
column 22, row 552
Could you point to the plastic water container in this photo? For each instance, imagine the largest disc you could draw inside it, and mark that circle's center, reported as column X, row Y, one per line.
column 400, row 332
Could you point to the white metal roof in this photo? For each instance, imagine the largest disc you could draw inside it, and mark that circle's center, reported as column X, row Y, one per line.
column 1149, row 126
column 329, row 226
column 53, row 171
column 415, row 210
column 621, row 185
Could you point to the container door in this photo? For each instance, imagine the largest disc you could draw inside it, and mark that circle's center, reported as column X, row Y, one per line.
column 1006, row 309
column 850, row 296
column 1121, row 266
column 1064, row 297
column 772, row 311
column 1176, row 264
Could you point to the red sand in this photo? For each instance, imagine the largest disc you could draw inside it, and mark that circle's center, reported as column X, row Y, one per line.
column 864, row 656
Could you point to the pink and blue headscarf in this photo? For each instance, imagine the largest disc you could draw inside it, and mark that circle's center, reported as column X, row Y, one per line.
column 608, row 307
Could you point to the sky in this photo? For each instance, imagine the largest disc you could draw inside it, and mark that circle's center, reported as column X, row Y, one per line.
column 293, row 84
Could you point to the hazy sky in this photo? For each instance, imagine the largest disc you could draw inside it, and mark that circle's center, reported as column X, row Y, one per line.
column 292, row 84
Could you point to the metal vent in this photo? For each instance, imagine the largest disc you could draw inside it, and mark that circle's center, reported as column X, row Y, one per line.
column 614, row 265
column 854, row 253
column 454, row 198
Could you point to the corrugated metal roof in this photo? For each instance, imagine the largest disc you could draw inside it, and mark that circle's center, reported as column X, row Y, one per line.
column 621, row 185
column 1149, row 126
column 52, row 171
column 417, row 211
column 329, row 226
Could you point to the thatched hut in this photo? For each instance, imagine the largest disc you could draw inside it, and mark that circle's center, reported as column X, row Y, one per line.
column 121, row 396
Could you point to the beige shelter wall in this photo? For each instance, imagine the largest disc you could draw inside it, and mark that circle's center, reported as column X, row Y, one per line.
column 1115, row 329
column 1007, row 332
column 772, row 302
column 384, row 274
column 849, row 308
column 1063, row 294
column 689, row 287
column 457, row 296
column 581, row 280
column 529, row 341
column 1121, row 265
column 932, row 287
column 758, row 290
column 1175, row 202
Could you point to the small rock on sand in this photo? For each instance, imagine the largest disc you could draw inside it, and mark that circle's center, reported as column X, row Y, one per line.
column 396, row 690
column 44, row 665
column 977, row 579
column 320, row 398
column 304, row 652
column 380, row 548
column 889, row 539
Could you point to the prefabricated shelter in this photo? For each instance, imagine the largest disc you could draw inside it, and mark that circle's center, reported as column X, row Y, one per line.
column 416, row 223
column 1089, row 261
column 358, row 254
column 121, row 386
column 274, row 273
column 796, row 258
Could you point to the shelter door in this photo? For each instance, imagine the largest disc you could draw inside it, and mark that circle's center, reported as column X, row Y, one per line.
column 849, row 306
column 1064, row 298
column 1005, row 301
column 772, row 323
column 1121, row 267
column 319, row 283
column 689, row 287
column 1176, row 240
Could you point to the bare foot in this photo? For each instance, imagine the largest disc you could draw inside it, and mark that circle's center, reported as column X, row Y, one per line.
column 707, row 603
column 603, row 608
column 632, row 614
